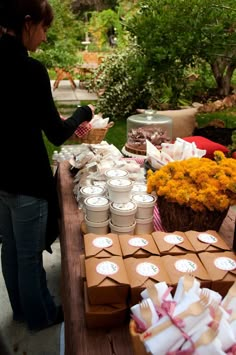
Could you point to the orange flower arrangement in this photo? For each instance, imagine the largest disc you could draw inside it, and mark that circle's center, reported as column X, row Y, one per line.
column 198, row 183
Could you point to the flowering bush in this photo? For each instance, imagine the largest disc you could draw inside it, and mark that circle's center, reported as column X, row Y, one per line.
column 199, row 183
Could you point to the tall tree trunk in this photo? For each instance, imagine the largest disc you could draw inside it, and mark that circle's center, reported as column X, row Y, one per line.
column 223, row 73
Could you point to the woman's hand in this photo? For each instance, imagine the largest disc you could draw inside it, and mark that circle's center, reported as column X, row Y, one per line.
column 92, row 109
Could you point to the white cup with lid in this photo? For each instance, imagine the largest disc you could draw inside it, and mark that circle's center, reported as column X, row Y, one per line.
column 123, row 214
column 145, row 203
column 97, row 208
column 116, row 173
column 119, row 190
column 139, row 188
column 122, row 230
column 89, row 191
column 144, row 225
column 97, row 227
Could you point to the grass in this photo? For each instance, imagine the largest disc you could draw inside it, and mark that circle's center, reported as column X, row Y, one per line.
column 117, row 134
column 228, row 116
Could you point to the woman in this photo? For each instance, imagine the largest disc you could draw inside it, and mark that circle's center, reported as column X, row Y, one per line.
column 28, row 199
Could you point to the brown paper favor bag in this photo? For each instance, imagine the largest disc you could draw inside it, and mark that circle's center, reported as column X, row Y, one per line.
column 209, row 241
column 177, row 266
column 101, row 246
column 175, row 243
column 107, row 280
column 143, row 272
column 222, row 269
column 138, row 246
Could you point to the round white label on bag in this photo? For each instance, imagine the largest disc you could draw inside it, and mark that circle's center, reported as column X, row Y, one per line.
column 138, row 242
column 224, row 263
column 185, row 265
column 173, row 239
column 102, row 242
column 107, row 268
column 147, row 269
column 207, row 238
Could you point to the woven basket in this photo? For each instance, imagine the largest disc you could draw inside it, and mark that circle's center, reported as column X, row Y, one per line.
column 96, row 135
column 175, row 217
column 138, row 345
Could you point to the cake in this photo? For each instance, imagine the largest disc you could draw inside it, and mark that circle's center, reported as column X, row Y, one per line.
column 155, row 128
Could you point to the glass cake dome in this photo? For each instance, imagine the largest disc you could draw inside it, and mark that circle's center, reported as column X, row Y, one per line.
column 148, row 125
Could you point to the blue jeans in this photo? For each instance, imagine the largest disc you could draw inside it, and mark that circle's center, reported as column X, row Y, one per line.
column 23, row 221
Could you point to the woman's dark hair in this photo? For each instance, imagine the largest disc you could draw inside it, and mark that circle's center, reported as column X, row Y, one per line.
column 13, row 13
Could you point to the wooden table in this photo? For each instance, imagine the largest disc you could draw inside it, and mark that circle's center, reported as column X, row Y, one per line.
column 78, row 339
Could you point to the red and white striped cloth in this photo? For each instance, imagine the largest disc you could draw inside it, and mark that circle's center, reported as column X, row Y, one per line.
column 157, row 220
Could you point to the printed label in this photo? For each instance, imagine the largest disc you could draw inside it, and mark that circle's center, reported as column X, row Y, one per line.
column 185, row 265
column 124, row 206
column 144, row 198
column 147, row 269
column 120, row 182
column 102, row 242
column 224, row 263
column 116, row 173
column 139, row 188
column 138, row 242
column 173, row 239
column 97, row 201
column 207, row 238
column 92, row 190
column 107, row 268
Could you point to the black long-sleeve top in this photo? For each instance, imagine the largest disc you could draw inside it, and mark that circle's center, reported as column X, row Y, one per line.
column 27, row 110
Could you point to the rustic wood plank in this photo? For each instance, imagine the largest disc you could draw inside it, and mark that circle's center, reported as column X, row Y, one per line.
column 78, row 339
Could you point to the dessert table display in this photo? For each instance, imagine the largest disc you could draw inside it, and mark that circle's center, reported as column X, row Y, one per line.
column 106, row 273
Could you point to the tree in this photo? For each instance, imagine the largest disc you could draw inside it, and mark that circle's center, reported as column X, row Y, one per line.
column 81, row 6
column 177, row 34
column 63, row 38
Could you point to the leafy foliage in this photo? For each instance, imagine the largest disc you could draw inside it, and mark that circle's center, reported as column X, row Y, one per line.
column 174, row 34
column 169, row 39
column 121, row 77
column 63, row 38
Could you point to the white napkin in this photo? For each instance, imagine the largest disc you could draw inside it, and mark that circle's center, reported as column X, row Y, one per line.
column 157, row 344
column 233, row 327
column 226, row 334
column 215, row 347
column 179, row 292
column 213, row 295
column 137, row 313
column 161, row 290
column 99, row 122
